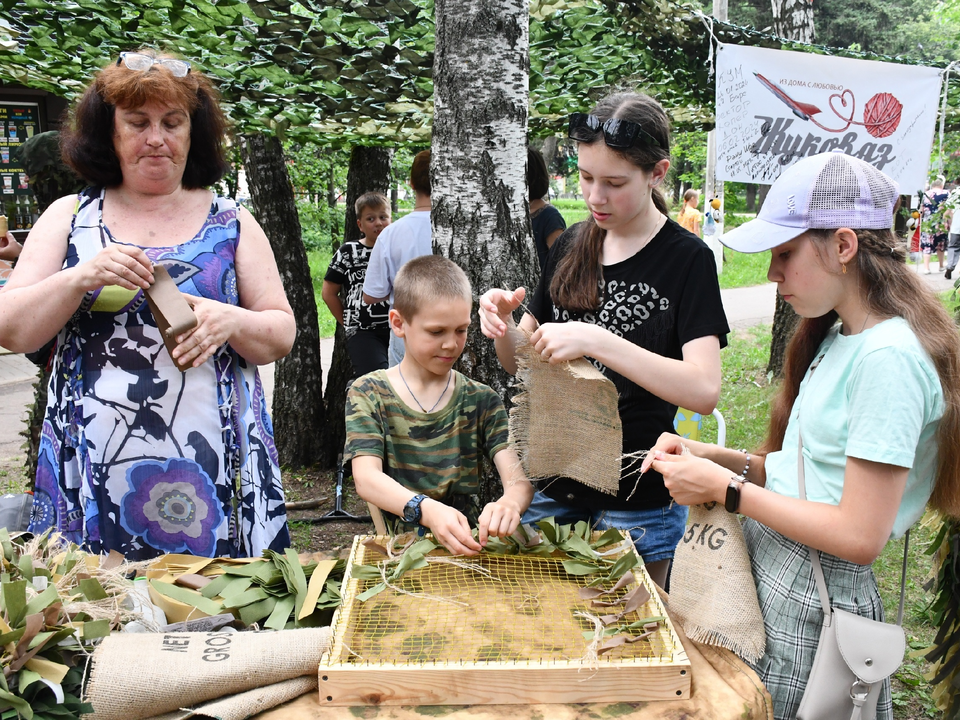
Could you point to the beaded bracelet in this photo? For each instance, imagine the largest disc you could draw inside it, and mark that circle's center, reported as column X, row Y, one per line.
column 746, row 467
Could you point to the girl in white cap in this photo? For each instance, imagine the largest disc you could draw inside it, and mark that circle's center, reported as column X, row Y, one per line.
column 871, row 397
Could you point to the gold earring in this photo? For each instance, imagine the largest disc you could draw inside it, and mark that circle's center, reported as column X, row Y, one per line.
column 844, row 268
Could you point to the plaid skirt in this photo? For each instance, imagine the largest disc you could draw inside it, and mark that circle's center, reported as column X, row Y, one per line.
column 793, row 616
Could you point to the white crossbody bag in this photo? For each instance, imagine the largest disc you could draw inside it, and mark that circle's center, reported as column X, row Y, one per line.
column 854, row 654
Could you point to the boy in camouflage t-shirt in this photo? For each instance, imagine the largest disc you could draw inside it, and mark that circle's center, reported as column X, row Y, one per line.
column 415, row 432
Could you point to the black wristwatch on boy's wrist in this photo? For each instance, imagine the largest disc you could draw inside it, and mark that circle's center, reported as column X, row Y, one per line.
column 412, row 512
column 732, row 500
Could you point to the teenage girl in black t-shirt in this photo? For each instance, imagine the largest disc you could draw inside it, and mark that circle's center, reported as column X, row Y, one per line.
column 636, row 293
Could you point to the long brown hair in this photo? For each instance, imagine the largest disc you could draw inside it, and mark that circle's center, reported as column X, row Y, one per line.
column 890, row 290
column 576, row 282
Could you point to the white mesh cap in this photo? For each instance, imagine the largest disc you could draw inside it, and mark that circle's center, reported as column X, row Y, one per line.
column 821, row 192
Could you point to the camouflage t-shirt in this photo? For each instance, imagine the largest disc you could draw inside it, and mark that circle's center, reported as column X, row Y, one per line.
column 436, row 453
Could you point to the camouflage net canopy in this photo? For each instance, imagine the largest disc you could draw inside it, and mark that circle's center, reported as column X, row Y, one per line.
column 360, row 71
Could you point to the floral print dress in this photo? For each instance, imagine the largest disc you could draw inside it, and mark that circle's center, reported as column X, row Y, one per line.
column 136, row 456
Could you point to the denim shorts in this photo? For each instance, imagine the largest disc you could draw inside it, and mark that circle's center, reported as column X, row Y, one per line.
column 655, row 531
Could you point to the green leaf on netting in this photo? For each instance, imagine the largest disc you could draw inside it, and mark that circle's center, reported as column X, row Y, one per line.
column 187, row 597
column 582, row 530
column 576, row 546
column 92, row 589
column 548, row 527
column 609, row 537
column 365, row 572
column 370, row 592
column 579, row 567
column 625, row 562
column 412, row 559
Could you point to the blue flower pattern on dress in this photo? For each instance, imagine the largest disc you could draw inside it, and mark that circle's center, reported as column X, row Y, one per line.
column 122, row 421
column 173, row 506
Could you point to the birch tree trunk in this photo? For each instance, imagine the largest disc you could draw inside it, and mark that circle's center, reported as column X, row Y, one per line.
column 298, row 413
column 369, row 171
column 480, row 214
column 793, row 19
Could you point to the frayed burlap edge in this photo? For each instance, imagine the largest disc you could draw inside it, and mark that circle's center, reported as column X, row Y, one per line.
column 749, row 651
column 590, row 450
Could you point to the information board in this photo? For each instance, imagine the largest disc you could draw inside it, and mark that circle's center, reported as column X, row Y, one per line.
column 19, row 121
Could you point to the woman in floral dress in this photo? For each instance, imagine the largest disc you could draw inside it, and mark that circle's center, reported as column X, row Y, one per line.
column 136, row 456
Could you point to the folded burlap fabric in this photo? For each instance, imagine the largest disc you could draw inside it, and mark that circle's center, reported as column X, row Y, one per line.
column 138, row 676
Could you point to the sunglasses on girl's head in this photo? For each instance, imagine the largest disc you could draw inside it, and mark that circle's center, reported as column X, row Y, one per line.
column 142, row 63
column 617, row 133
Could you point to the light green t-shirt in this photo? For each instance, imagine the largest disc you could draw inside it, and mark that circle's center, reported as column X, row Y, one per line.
column 874, row 396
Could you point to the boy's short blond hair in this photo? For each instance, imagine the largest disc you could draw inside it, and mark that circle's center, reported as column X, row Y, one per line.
column 373, row 200
column 425, row 279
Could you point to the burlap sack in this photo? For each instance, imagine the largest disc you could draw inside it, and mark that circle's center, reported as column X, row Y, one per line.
column 249, row 703
column 137, row 676
column 565, row 422
column 712, row 591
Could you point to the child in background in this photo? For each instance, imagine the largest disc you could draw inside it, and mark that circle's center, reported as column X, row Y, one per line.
column 366, row 326
column 689, row 216
column 415, row 432
column 871, row 393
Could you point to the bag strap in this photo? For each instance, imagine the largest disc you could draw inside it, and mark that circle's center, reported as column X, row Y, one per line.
column 815, row 554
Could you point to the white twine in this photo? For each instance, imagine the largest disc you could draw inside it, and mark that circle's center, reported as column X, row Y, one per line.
column 383, row 576
column 590, row 657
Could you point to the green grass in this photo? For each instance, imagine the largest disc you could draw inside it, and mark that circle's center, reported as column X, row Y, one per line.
column 319, row 260
column 573, row 211
column 745, row 390
column 743, row 269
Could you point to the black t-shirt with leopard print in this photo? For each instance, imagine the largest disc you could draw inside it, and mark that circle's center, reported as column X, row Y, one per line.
column 662, row 297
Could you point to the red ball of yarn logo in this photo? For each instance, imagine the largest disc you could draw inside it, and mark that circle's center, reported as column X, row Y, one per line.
column 881, row 115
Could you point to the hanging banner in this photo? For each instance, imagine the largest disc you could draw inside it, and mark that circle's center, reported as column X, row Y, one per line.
column 775, row 107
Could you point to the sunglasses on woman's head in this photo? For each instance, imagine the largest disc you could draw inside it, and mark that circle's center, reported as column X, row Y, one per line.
column 617, row 133
column 142, row 63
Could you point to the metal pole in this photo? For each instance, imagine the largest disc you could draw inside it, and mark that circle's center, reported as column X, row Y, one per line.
column 713, row 189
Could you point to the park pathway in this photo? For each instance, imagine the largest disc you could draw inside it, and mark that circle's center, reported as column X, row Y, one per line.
column 745, row 307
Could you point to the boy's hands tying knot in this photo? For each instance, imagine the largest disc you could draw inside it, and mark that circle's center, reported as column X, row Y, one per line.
column 450, row 527
column 498, row 519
